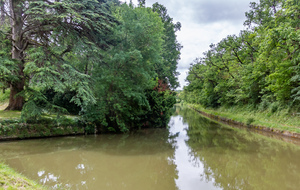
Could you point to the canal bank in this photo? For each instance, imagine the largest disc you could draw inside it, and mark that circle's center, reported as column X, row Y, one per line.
column 250, row 120
column 10, row 179
column 15, row 129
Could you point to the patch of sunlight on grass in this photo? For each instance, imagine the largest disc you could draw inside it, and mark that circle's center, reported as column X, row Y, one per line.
column 3, row 105
column 9, row 114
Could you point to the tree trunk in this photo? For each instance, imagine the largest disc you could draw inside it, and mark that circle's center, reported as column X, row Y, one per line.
column 16, row 102
column 2, row 16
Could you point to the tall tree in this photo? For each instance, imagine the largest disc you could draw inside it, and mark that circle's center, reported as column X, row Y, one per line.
column 129, row 85
column 127, row 70
column 171, row 48
column 42, row 25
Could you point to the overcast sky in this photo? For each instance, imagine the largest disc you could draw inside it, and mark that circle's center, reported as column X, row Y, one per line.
column 203, row 22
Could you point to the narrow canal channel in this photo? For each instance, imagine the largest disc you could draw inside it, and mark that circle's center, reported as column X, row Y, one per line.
column 194, row 153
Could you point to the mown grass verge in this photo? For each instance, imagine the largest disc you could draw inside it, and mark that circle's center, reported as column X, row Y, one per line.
column 9, row 179
column 280, row 120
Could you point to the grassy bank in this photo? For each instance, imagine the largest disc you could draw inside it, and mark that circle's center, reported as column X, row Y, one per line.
column 9, row 179
column 12, row 127
column 280, row 120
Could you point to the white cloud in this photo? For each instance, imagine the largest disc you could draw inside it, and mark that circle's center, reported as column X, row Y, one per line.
column 203, row 22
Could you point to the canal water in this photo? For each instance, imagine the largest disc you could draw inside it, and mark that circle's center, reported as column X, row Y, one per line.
column 194, row 153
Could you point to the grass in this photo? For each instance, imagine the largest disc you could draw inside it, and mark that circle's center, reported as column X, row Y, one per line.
column 9, row 179
column 10, row 114
column 281, row 120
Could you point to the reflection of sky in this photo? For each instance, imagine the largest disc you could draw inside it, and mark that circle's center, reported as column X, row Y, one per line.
column 81, row 168
column 189, row 173
column 48, row 177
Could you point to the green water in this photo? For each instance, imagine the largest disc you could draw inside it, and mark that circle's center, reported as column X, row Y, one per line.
column 194, row 153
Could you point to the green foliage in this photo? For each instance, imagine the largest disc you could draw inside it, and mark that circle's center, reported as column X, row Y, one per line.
column 126, row 78
column 250, row 120
column 43, row 127
column 4, row 95
column 7, row 65
column 43, row 50
column 113, row 64
column 171, row 47
column 160, row 112
column 38, row 105
column 63, row 100
column 260, row 67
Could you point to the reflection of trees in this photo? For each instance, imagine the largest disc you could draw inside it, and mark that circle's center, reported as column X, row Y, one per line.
column 140, row 159
column 146, row 141
column 237, row 159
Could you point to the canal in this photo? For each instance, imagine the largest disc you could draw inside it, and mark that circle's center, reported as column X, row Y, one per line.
column 193, row 153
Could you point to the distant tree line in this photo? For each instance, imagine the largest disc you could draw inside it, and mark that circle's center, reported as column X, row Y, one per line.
column 112, row 63
column 259, row 68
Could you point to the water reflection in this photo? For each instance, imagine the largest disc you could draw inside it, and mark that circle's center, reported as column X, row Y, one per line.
column 195, row 153
column 142, row 160
column 189, row 171
column 238, row 159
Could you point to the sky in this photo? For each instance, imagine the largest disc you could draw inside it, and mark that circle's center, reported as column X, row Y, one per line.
column 203, row 22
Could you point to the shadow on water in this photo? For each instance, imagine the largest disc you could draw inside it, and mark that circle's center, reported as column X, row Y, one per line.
column 239, row 159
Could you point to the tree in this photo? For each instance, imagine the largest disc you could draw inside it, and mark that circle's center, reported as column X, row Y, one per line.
column 171, row 48
column 41, row 26
column 262, row 13
column 142, row 3
column 128, row 88
column 259, row 68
